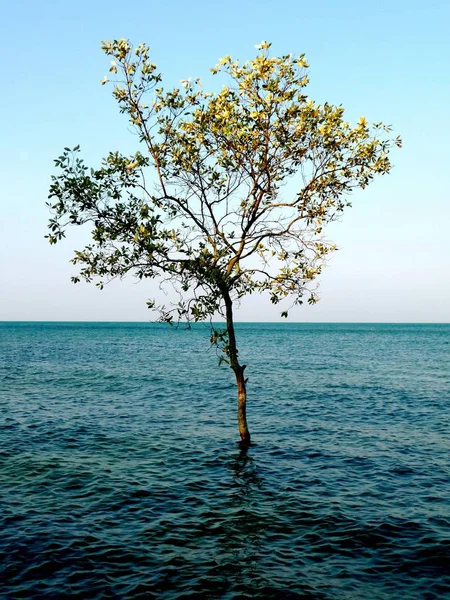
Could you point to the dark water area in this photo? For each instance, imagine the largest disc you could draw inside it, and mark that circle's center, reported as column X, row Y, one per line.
column 121, row 477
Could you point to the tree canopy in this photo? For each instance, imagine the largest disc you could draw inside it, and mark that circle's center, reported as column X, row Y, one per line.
column 218, row 214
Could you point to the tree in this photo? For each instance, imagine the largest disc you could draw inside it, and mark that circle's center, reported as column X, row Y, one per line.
column 243, row 180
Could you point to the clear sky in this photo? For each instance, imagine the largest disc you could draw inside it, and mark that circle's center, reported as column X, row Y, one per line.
column 386, row 60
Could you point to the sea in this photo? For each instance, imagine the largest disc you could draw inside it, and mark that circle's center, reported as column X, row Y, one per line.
column 121, row 475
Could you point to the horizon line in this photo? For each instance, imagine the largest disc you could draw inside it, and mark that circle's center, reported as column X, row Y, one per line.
column 285, row 322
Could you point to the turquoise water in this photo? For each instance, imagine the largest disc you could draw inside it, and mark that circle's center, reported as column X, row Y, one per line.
column 121, row 477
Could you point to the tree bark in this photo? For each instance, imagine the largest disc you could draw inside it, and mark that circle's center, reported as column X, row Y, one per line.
column 238, row 371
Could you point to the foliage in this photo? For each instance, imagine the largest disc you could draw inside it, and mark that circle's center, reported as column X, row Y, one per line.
column 243, row 181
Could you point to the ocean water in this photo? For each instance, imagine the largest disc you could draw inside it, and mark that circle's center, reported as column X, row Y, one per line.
column 121, row 476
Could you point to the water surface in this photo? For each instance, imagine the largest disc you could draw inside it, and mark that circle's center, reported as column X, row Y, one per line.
column 121, row 478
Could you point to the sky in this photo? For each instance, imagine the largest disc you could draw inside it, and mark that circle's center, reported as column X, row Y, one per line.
column 386, row 60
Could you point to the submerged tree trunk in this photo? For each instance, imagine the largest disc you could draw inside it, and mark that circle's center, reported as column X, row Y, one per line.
column 239, row 373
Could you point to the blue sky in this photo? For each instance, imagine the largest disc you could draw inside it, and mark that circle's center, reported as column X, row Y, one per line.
column 387, row 61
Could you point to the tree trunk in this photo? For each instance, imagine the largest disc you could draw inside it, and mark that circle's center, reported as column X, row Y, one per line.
column 238, row 371
column 242, row 405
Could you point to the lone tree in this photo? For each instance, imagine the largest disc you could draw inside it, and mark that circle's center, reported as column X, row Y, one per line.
column 239, row 186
